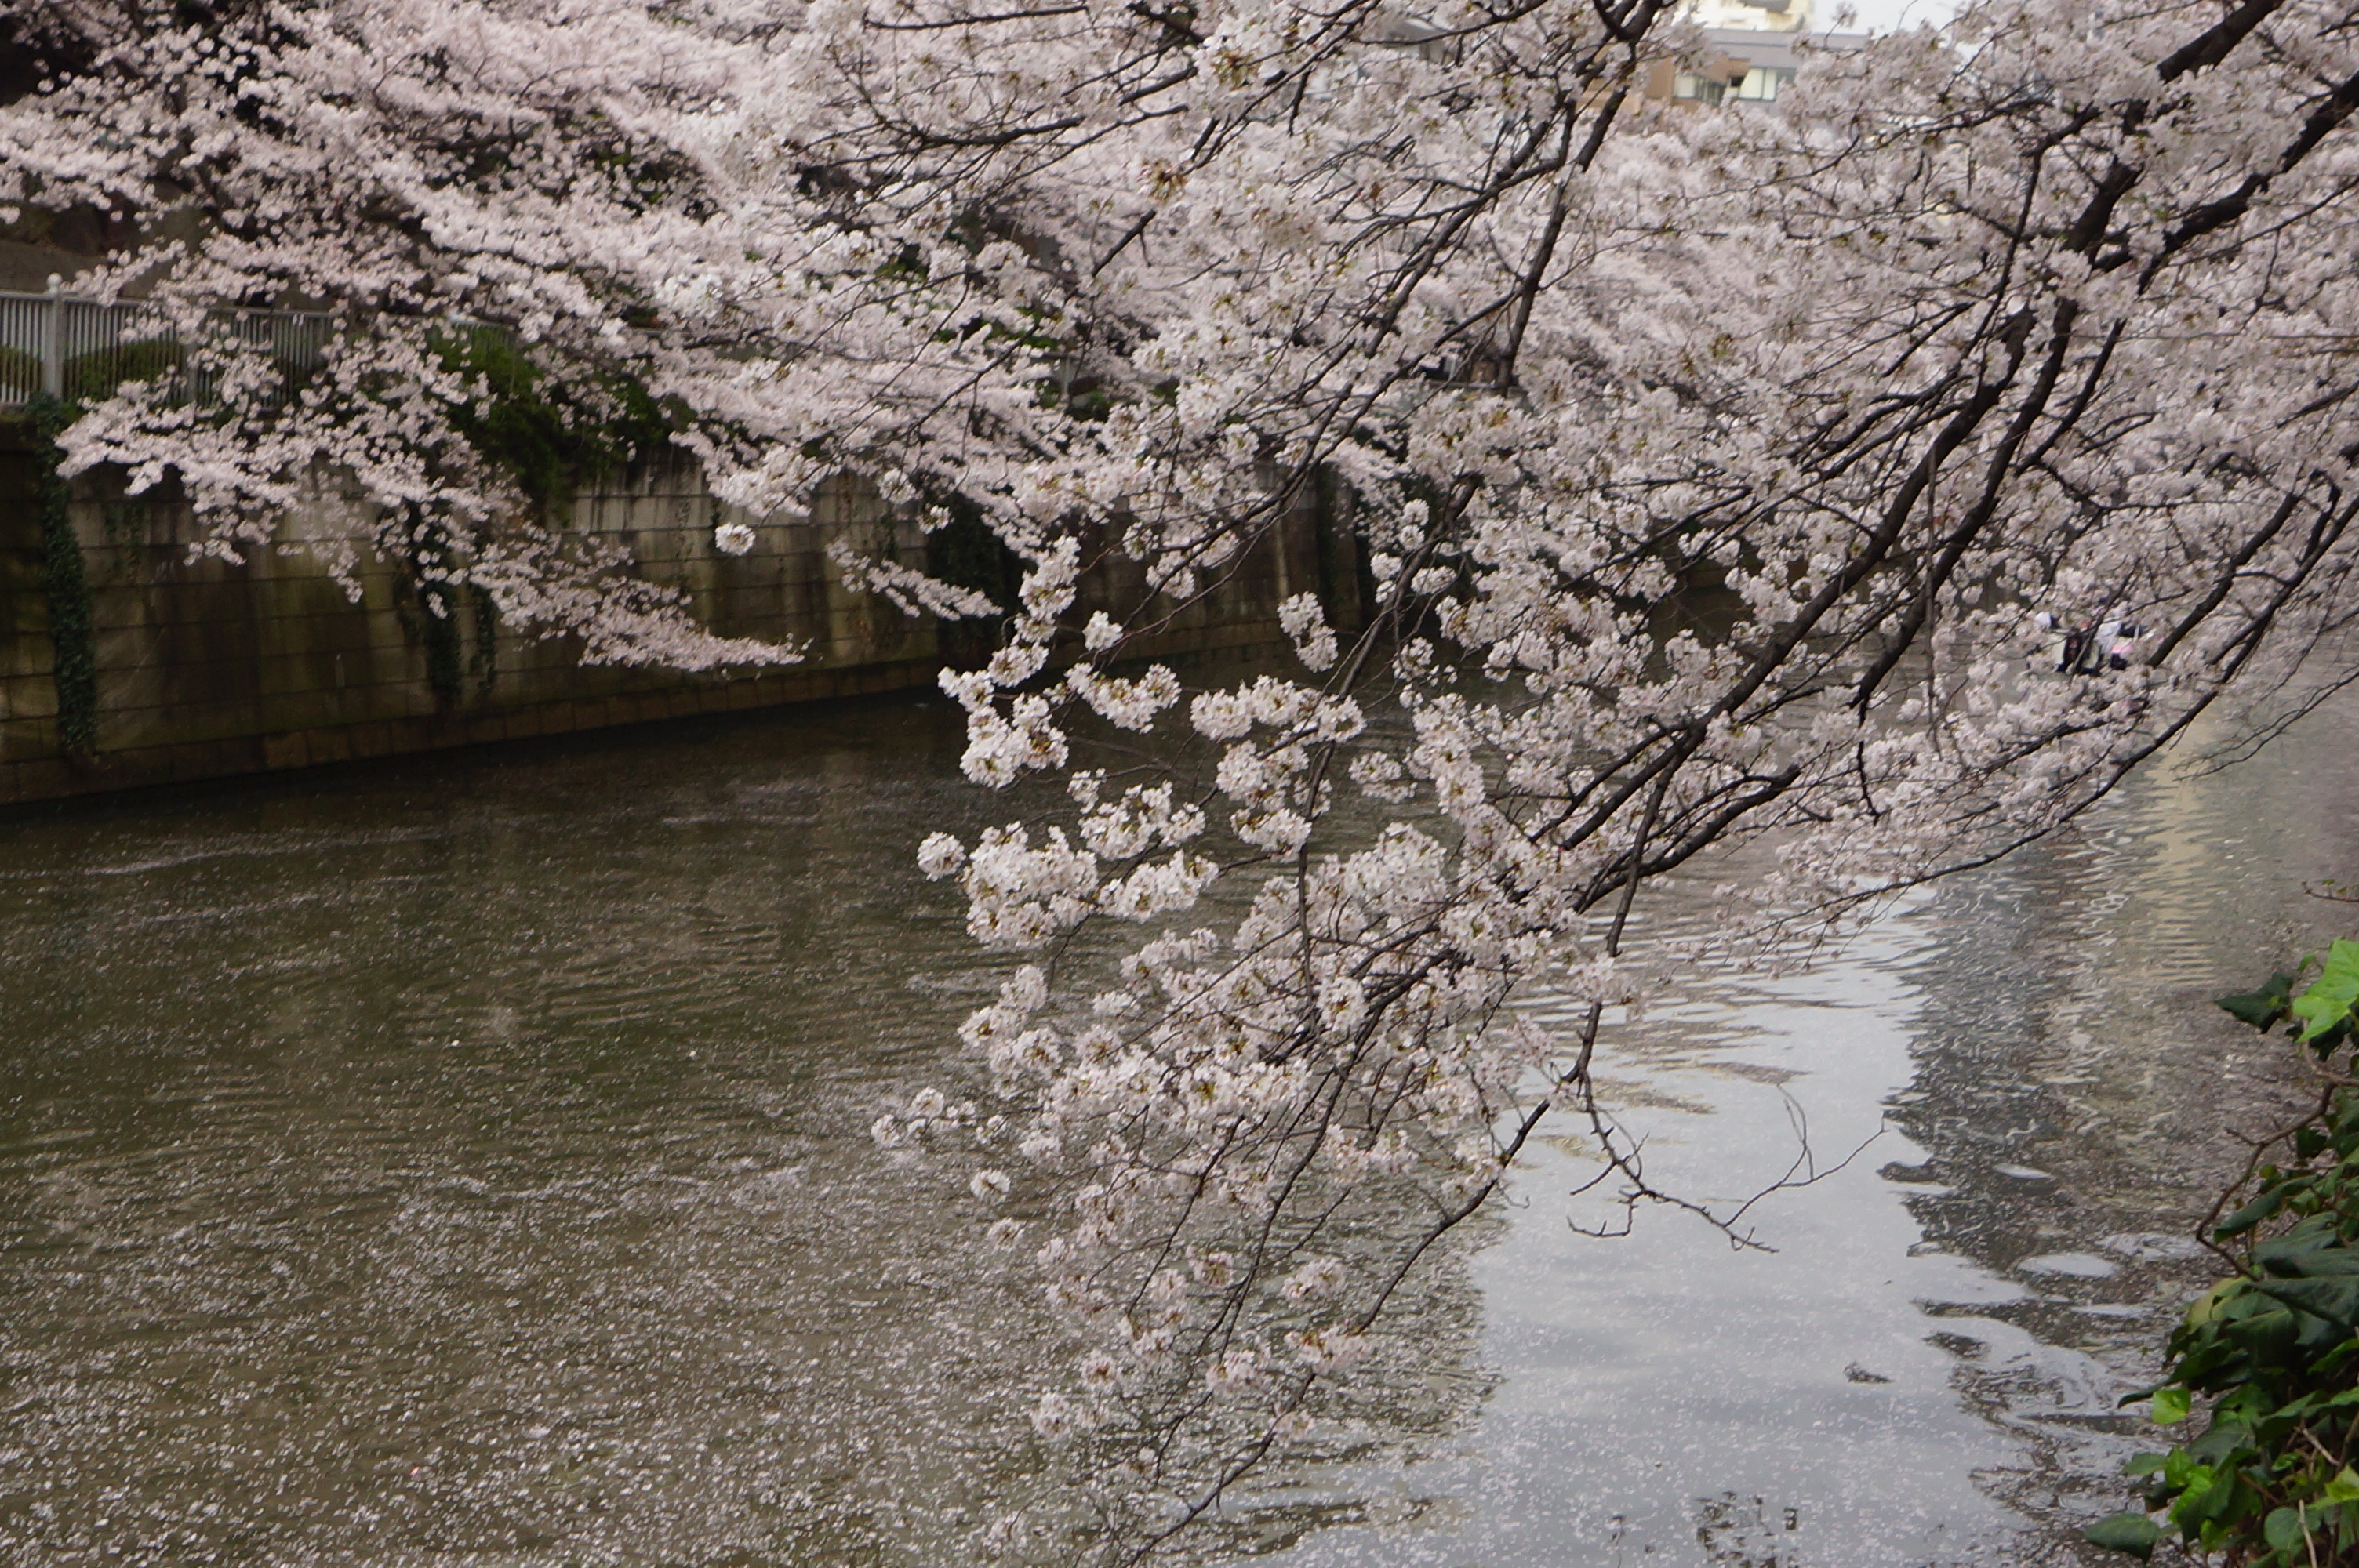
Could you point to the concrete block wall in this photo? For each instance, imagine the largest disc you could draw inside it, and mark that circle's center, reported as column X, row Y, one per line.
column 208, row 668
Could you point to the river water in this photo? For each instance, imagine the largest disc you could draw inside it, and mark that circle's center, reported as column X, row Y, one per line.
column 463, row 1161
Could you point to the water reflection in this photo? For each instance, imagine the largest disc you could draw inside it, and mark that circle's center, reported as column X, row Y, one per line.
column 465, row 1163
column 1926, row 1371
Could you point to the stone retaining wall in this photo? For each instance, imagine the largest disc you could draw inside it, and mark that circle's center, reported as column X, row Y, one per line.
column 208, row 668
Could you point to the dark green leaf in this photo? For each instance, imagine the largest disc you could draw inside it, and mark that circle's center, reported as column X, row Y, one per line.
column 2326, row 1045
column 2283, row 1530
column 2133, row 1533
column 2335, row 1299
column 2308, row 1253
column 2264, row 1007
column 2217, row 1447
column 2268, row 1336
column 2251, row 1215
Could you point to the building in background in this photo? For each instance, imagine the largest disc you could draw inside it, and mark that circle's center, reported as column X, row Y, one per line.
column 1753, row 15
column 1753, row 49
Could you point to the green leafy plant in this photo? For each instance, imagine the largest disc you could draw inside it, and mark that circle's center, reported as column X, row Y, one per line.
column 92, row 378
column 965, row 553
column 2270, row 1482
column 549, row 438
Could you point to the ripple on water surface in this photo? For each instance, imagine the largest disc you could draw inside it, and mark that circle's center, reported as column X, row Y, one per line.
column 469, row 1164
column 465, row 1162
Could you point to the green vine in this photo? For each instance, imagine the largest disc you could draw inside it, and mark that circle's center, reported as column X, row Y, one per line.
column 75, row 666
column 485, row 662
column 553, row 441
column 550, row 446
column 965, row 553
column 437, row 621
column 2272, row 1481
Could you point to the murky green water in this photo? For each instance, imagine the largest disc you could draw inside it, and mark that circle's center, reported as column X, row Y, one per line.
column 465, row 1162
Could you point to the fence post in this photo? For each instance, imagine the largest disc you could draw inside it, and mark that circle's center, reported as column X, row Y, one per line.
column 53, row 342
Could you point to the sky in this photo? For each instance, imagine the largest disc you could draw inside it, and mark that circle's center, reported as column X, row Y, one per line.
column 1883, row 15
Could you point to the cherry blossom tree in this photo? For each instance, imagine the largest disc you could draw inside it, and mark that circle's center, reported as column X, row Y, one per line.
column 2051, row 316
column 1717, row 468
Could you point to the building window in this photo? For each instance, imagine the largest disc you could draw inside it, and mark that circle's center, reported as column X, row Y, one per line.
column 1762, row 83
column 1700, row 88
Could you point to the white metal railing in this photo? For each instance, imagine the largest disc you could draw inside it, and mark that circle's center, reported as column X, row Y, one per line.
column 79, row 349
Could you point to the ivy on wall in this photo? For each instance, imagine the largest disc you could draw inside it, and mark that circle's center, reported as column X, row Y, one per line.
column 435, row 624
column 965, row 553
column 64, row 585
column 551, row 447
column 435, row 621
column 552, row 442
column 483, row 664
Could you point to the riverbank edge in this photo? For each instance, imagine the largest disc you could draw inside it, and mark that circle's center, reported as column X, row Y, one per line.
column 1244, row 657
column 198, row 668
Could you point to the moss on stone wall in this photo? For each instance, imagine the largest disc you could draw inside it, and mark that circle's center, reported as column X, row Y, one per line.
column 75, row 668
